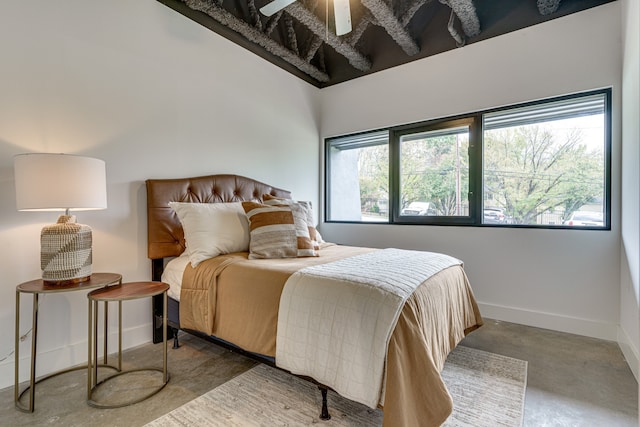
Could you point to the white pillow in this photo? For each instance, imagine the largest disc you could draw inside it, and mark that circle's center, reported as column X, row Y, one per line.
column 212, row 229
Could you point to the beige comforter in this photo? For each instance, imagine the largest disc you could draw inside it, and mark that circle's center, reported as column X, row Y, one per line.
column 237, row 300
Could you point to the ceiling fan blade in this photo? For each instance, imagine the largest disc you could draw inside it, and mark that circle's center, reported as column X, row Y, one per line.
column 275, row 6
column 342, row 13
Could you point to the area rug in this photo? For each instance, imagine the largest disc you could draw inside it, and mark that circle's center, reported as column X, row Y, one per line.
column 487, row 390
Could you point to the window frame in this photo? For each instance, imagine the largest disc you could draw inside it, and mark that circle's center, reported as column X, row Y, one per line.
column 327, row 168
column 476, row 167
column 396, row 134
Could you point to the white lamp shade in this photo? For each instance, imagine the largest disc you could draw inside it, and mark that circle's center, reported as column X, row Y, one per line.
column 53, row 182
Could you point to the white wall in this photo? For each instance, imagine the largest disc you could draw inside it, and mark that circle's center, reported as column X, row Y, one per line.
column 567, row 280
column 629, row 335
column 154, row 95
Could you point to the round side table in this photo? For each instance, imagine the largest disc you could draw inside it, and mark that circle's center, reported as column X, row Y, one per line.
column 123, row 292
column 37, row 287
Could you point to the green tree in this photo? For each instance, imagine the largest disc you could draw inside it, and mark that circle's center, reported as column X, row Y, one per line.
column 528, row 171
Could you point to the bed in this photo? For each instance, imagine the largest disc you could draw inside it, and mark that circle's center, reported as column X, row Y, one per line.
column 240, row 302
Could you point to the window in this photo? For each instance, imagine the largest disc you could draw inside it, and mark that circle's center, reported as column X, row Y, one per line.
column 358, row 178
column 545, row 162
column 433, row 172
column 541, row 164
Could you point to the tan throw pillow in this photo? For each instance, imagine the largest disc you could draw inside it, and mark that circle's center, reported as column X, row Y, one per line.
column 308, row 214
column 277, row 231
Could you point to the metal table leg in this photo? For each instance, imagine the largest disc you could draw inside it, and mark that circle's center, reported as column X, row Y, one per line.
column 89, row 354
column 34, row 340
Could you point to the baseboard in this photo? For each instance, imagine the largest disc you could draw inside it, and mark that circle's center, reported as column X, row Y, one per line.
column 68, row 356
column 556, row 322
column 629, row 351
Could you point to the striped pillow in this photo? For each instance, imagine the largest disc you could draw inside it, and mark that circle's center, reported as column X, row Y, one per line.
column 277, row 232
column 308, row 214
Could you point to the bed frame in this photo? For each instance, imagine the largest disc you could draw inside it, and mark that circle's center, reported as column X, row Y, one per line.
column 166, row 240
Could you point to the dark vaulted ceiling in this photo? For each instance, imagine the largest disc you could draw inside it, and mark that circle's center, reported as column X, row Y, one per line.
column 301, row 38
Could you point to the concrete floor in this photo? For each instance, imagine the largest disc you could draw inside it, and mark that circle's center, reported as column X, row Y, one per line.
column 572, row 381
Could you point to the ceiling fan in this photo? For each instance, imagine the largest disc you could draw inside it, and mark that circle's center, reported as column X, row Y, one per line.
column 341, row 9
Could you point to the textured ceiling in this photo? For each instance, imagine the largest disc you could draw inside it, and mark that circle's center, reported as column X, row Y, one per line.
column 301, row 38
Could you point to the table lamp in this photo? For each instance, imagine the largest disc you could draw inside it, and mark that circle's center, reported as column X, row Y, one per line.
column 62, row 182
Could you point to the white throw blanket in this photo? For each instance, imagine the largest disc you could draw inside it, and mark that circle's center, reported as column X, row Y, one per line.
column 335, row 320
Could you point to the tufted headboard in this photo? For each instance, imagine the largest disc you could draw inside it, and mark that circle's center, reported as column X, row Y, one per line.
column 165, row 236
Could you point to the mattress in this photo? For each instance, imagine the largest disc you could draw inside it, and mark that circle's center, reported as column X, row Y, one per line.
column 172, row 275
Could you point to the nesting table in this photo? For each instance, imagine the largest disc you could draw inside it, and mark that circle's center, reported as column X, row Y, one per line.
column 120, row 293
column 37, row 287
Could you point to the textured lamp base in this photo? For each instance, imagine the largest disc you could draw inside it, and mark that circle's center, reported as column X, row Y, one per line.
column 65, row 252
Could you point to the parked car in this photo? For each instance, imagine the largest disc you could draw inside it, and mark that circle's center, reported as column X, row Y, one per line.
column 493, row 215
column 585, row 219
column 419, row 209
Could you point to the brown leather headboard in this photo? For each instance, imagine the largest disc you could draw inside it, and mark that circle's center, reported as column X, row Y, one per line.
column 165, row 235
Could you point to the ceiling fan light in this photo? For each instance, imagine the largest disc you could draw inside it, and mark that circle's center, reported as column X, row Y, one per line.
column 342, row 12
column 274, row 7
